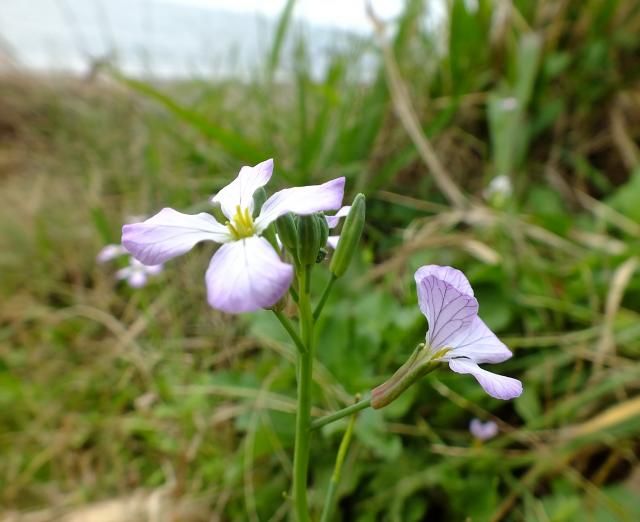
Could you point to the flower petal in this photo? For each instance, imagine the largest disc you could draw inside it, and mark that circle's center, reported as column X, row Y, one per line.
column 479, row 344
column 447, row 310
column 240, row 190
column 137, row 279
column 301, row 201
column 110, row 252
column 450, row 275
column 145, row 269
column 498, row 386
column 124, row 273
column 169, row 234
column 483, row 430
column 332, row 221
column 246, row 275
column 332, row 241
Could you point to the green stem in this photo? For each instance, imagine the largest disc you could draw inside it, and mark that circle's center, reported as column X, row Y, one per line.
column 290, row 330
column 323, row 421
column 303, row 416
column 327, row 510
column 323, row 299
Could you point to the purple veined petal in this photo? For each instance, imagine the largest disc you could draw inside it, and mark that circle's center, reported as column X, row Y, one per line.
column 169, row 234
column 333, row 221
column 498, row 386
column 301, row 201
column 246, row 275
column 447, row 310
column 478, row 343
column 483, row 430
column 110, row 252
column 450, row 275
column 332, row 242
column 240, row 190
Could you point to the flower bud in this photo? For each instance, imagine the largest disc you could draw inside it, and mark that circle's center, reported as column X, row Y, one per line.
column 313, row 232
column 288, row 233
column 349, row 237
column 259, row 197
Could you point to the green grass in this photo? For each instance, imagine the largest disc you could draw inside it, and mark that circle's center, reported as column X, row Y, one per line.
column 105, row 391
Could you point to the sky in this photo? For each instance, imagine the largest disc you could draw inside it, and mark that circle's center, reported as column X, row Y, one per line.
column 172, row 37
column 343, row 14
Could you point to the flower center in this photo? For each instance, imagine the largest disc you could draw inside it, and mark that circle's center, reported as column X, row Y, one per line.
column 241, row 225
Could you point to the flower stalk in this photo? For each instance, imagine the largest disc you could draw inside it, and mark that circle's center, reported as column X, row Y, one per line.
column 303, row 415
column 340, row 414
column 327, row 510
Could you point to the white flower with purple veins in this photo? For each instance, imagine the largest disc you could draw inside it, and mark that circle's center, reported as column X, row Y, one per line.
column 483, row 430
column 246, row 273
column 456, row 334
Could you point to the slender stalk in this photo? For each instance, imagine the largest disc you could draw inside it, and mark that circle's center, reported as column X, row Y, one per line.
column 290, row 330
column 327, row 510
column 294, row 294
column 303, row 416
column 323, row 421
column 323, row 299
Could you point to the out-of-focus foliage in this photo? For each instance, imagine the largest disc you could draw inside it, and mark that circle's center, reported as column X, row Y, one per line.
column 104, row 390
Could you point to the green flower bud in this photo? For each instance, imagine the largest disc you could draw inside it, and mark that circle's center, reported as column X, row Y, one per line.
column 313, row 232
column 288, row 233
column 349, row 237
column 259, row 197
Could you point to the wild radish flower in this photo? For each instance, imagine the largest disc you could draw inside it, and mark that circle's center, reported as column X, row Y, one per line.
column 483, row 430
column 110, row 252
column 246, row 272
column 136, row 274
column 456, row 336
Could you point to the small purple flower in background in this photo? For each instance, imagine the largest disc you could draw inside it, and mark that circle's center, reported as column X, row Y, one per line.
column 333, row 222
column 483, row 430
column 136, row 274
column 110, row 252
column 456, row 334
column 246, row 272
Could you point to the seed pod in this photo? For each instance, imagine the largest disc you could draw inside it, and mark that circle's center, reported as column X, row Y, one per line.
column 350, row 237
column 312, row 236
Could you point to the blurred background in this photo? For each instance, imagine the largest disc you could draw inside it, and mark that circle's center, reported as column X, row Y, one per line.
column 498, row 136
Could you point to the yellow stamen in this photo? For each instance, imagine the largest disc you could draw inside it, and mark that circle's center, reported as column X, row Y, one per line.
column 241, row 225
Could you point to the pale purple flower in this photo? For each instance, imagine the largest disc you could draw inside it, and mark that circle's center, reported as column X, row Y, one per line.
column 333, row 222
column 246, row 272
column 136, row 274
column 456, row 334
column 110, row 252
column 483, row 430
